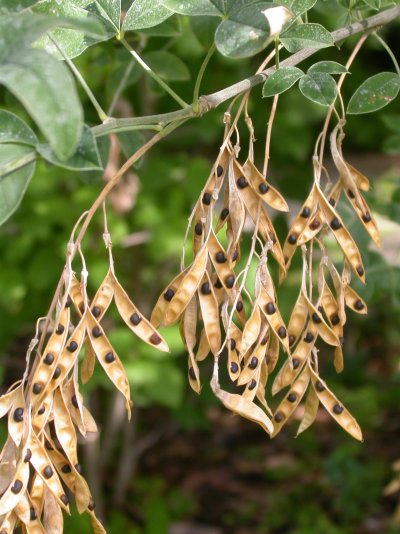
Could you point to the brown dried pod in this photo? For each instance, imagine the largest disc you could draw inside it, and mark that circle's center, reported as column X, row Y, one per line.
column 263, row 188
column 272, row 351
column 237, row 212
column 9, row 522
column 193, row 373
column 324, row 330
column 251, row 388
column 76, row 293
column 53, row 520
column 310, row 411
column 16, row 415
column 365, row 216
column 7, row 400
column 210, row 313
column 158, row 313
column 311, row 230
column 362, row 181
column 272, row 314
column 23, row 509
column 203, row 350
column 252, row 328
column 64, row 428
column 88, row 362
column 252, row 362
column 298, row 319
column 16, row 488
column 104, row 296
column 338, row 359
column 354, row 301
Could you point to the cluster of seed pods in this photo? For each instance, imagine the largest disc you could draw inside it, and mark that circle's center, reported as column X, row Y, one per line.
column 39, row 462
column 210, row 304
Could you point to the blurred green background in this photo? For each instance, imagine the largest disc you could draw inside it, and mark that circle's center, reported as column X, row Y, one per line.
column 185, row 465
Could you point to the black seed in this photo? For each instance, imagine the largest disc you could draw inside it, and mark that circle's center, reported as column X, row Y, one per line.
column 239, row 306
column 37, row 388
column 267, row 359
column 72, row 346
column 234, row 367
column 272, row 238
column 48, row 445
column 218, row 284
column 135, row 319
column 74, row 401
column 335, row 224
column 337, row 409
column 316, row 318
column 32, row 514
column 220, row 171
column 305, row 213
column 91, row 505
column 242, row 182
column 270, row 308
column 319, row 386
column 47, row 472
column 278, row 417
column 252, row 384
column 263, row 188
column 308, row 337
column 264, row 340
column 295, row 363
column 78, row 467
column 253, row 362
column 335, row 319
column 292, row 239
column 233, row 344
column 48, row 359
column 358, row 305
column 82, row 307
column 60, row 329
column 66, row 468
column 57, row 372
column 350, row 193
column 292, row 397
column 366, row 217
column 282, row 332
column 42, row 410
column 96, row 311
column 230, row 281
column 315, row 224
column 109, row 357
column 235, row 255
column 17, row 486
column 198, row 228
column 18, row 415
column 224, row 213
column 220, row 257
column 205, row 288
column 206, row 199
column 192, row 373
column 168, row 295
column 285, row 259
column 292, row 339
column 28, row 455
column 96, row 331
column 155, row 339
column 64, row 499
column 68, row 302
column 341, row 339
column 360, row 270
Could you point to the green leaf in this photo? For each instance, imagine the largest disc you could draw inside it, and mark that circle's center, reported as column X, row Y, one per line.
column 167, row 66
column 298, row 7
column 306, row 36
column 328, row 67
column 194, row 7
column 244, row 34
column 85, row 158
column 47, row 90
column 391, row 145
column 145, row 14
column 392, row 121
column 374, row 4
column 13, row 183
column 15, row 130
column 204, row 29
column 110, row 10
column 281, row 80
column 375, row 93
column 319, row 88
column 171, row 27
column 12, row 6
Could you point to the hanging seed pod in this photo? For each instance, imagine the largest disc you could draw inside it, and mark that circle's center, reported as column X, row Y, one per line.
column 36, row 493
column 233, row 347
column 224, row 213
column 88, row 362
column 8, row 399
column 272, row 351
column 8, row 523
column 331, row 309
column 158, row 313
column 291, row 401
column 188, row 325
column 210, row 313
column 338, row 359
column 261, row 387
column 237, row 212
column 251, row 388
column 298, row 319
column 364, row 214
column 263, row 188
column 16, row 415
column 15, row 489
column 252, row 328
column 354, row 301
column 271, row 313
column 324, row 330
column 76, row 294
column 97, row 527
column 23, row 509
column 253, row 362
column 198, row 230
column 203, row 349
column 103, row 296
column 334, row 407
column 53, row 520
column 311, row 230
column 193, row 373
column 310, row 411
column 361, row 181
column 64, row 428
column 221, row 264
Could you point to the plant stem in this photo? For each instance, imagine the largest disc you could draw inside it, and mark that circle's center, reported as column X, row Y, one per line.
column 277, row 52
column 155, row 76
column 389, row 51
column 206, row 60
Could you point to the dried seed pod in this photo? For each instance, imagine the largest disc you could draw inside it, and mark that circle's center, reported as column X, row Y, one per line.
column 88, row 362
column 338, row 359
column 203, row 349
column 252, row 385
column 188, row 325
column 364, row 214
column 298, row 319
column 354, row 301
column 23, row 509
column 361, row 181
column 16, row 415
column 53, row 521
column 158, row 313
column 193, row 373
column 334, row 407
column 64, row 428
column 253, row 362
column 310, row 411
column 8, row 399
column 210, row 315
column 9, row 522
column 15, row 489
column 237, row 212
column 252, row 328
column 104, row 296
column 324, row 330
column 274, row 319
column 331, row 309
column 223, row 269
column 272, row 351
column 291, row 400
column 263, row 188
column 76, row 293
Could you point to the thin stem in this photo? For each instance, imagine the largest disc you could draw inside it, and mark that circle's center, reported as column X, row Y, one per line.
column 155, row 76
column 199, row 78
column 269, row 132
column 277, row 53
column 389, row 51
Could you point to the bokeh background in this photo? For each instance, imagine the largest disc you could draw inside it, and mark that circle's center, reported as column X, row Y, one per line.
column 184, row 465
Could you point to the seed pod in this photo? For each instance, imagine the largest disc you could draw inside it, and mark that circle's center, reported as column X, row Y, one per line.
column 40, row 418
column 224, row 271
column 252, row 363
column 328, row 399
column 252, row 328
column 193, row 374
column 7, row 400
column 64, row 428
column 263, row 188
column 324, row 330
column 127, row 310
column 36, row 492
column 53, row 520
column 103, row 296
column 88, row 362
column 331, row 310
column 16, row 415
column 76, row 292
column 274, row 319
column 237, row 212
column 261, row 387
column 361, row 181
column 310, row 411
column 15, row 489
column 364, row 214
column 291, row 400
column 354, row 301
column 9, row 522
column 252, row 386
column 338, row 359
column 23, row 509
column 158, row 313
column 272, row 351
column 188, row 325
column 203, row 349
column 210, row 315
column 198, row 230
column 298, row 318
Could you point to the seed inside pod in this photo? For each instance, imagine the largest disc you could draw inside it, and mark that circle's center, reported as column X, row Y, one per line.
column 270, row 308
column 234, row 367
column 306, row 212
column 224, row 213
column 72, row 346
column 253, row 362
column 96, row 331
column 220, row 257
column 28, row 455
column 337, row 409
column 335, row 319
column 239, row 306
column 68, row 302
column 155, row 339
column 341, row 339
column 278, row 417
column 220, row 171
column 57, row 372
column 264, row 340
column 332, row 201
column 230, row 281
column 205, row 288
column 42, row 410
column 350, row 193
column 78, row 467
column 295, row 363
column 206, row 199
column 74, row 401
column 308, row 337
column 96, row 311
column 292, row 339
column 168, row 295
column 91, row 505
column 281, row 332
column 263, row 188
column 82, row 307
column 135, row 319
column 32, row 514
column 17, row 486
column 66, row 468
column 192, row 373
column 242, row 182
column 64, row 499
column 292, row 397
column 335, row 224
column 48, row 359
column 48, row 445
column 358, row 305
column 232, row 344
column 60, row 329
column 198, row 228
column 109, row 357
column 319, row 386
column 235, row 255
column 18, row 415
column 366, row 217
column 292, row 239
column 360, row 270
column 315, row 224
column 316, row 318
column 252, row 384
column 47, row 472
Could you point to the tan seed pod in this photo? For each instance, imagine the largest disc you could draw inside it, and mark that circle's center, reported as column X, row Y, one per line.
column 361, row 180
column 354, row 301
column 9, row 522
column 298, row 319
column 338, row 359
column 291, row 401
column 324, row 330
column 222, row 264
column 43, row 413
column 251, row 388
column 188, row 324
column 272, row 314
column 312, row 229
column 263, row 188
column 310, row 411
column 158, row 313
column 88, row 362
column 210, row 313
column 17, row 415
column 53, row 520
column 224, row 213
column 252, row 365
column 272, row 351
column 23, row 509
column 203, row 349
column 64, row 428
column 364, row 214
column 237, row 212
column 331, row 309
column 198, row 230
column 7, row 400
column 334, row 407
column 261, row 387
column 15, row 489
column 76, row 292
column 36, row 492
column 252, row 328
column 104, row 296
column 193, row 373
column 95, row 523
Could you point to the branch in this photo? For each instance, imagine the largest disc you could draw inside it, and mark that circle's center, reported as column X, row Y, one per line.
column 209, row 102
